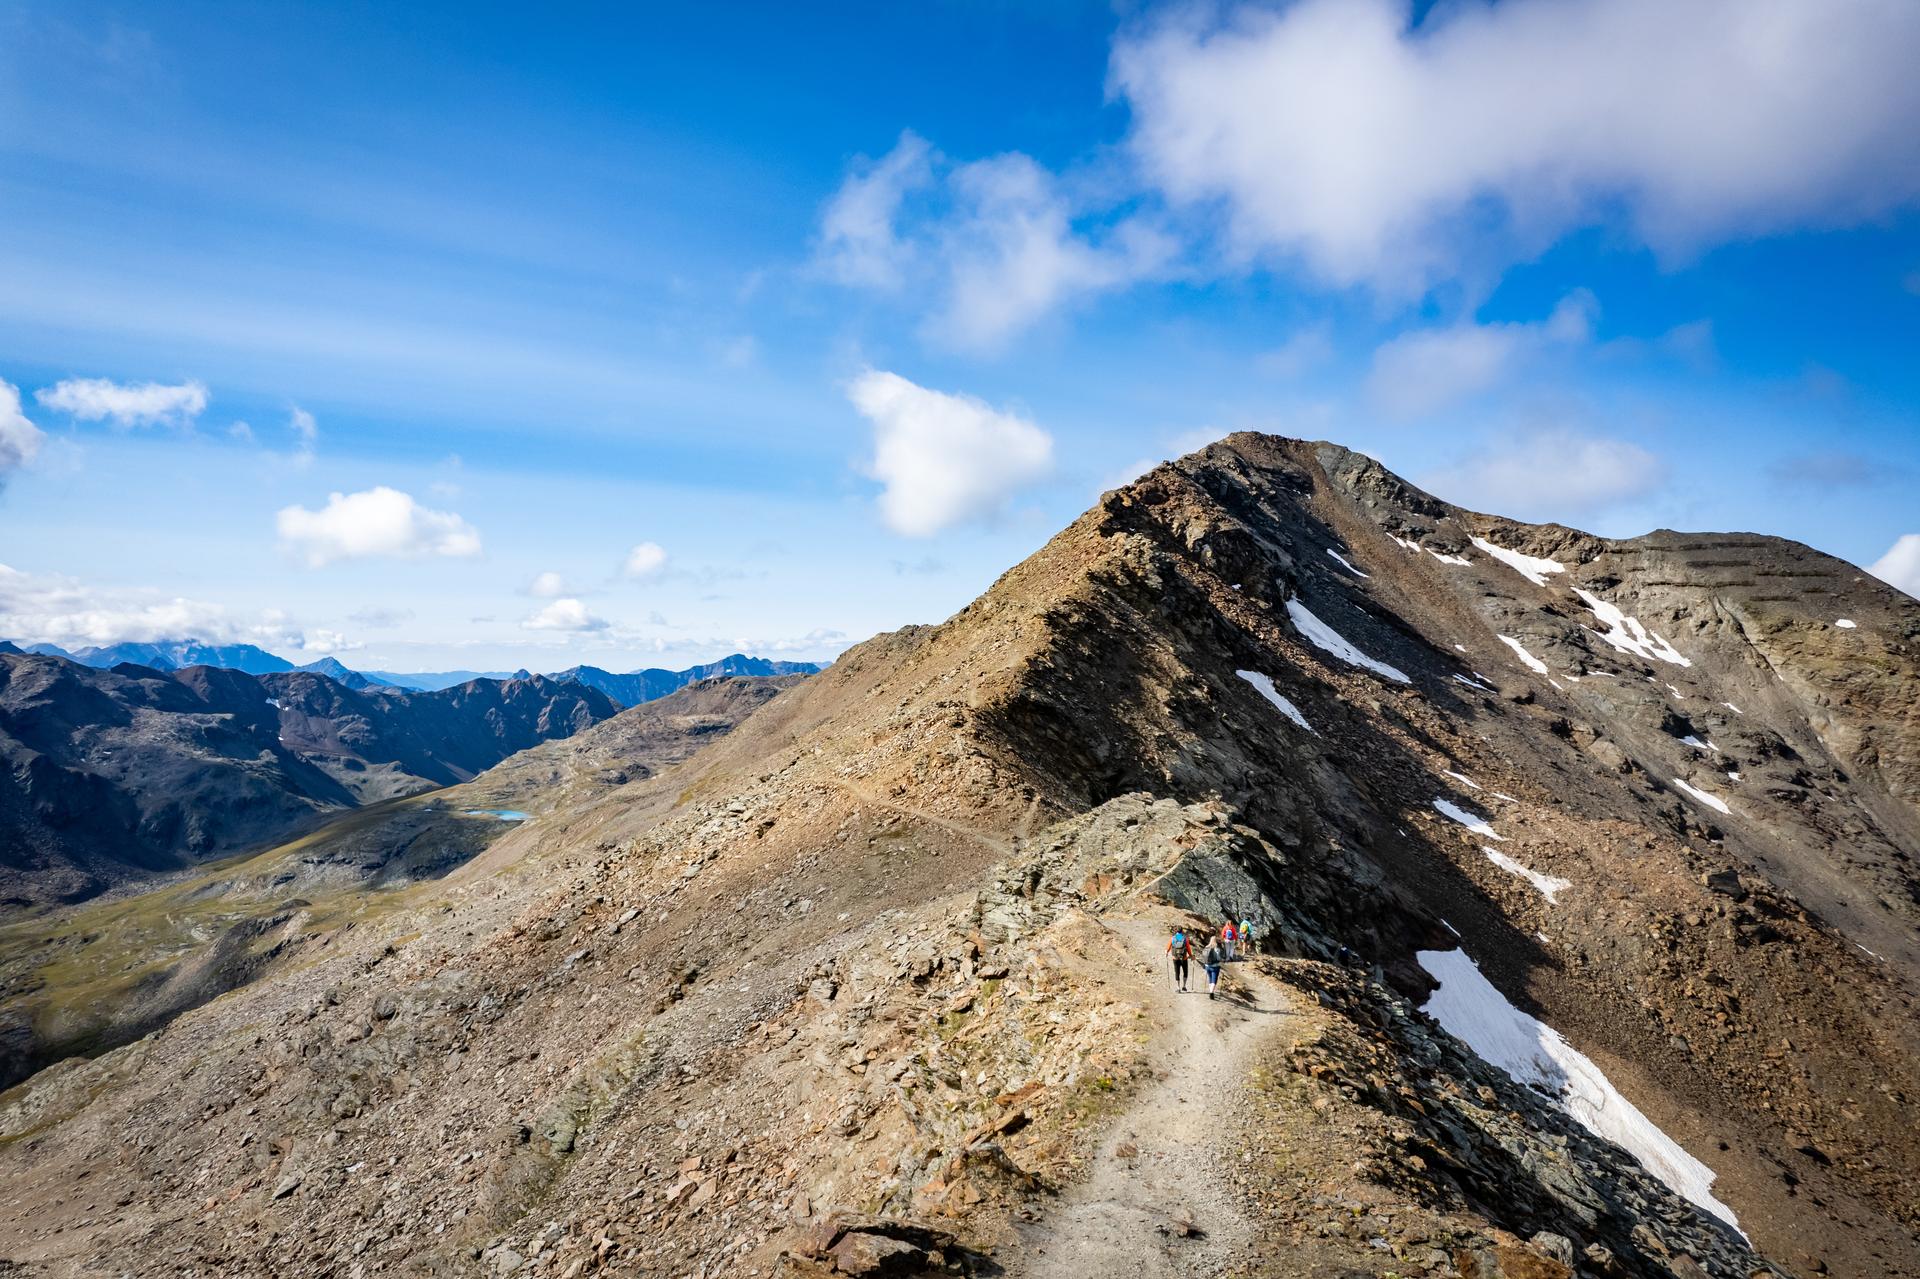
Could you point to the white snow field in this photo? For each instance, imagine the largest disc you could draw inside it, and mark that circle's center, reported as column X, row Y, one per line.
column 1478, row 825
column 1627, row 635
column 1845, row 624
column 1711, row 801
column 1324, row 637
column 1550, row 886
column 1533, row 663
column 1345, row 564
column 1265, row 688
column 1469, row 1007
column 1531, row 567
column 1448, row 559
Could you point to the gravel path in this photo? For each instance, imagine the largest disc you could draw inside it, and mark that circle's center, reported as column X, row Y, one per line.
column 1154, row 1204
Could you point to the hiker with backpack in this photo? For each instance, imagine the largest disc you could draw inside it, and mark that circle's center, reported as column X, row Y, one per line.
column 1246, row 936
column 1180, row 947
column 1211, row 959
column 1228, row 936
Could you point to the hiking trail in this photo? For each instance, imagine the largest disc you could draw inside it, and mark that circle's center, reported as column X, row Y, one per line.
column 1155, row 1202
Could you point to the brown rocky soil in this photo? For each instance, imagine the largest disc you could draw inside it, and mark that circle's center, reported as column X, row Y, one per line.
column 871, row 982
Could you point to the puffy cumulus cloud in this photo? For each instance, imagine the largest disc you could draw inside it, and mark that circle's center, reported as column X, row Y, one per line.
column 1340, row 134
column 648, row 559
column 378, row 522
column 546, row 586
column 1900, row 566
column 93, row 399
column 997, row 244
column 37, row 609
column 858, row 244
column 943, row 459
column 1428, row 369
column 19, row 439
column 566, row 614
column 1549, row 474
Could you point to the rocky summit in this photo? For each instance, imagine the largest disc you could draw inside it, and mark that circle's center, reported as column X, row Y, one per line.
column 1583, row 900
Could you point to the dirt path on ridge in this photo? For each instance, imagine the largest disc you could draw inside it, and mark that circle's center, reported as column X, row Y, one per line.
column 1154, row 1175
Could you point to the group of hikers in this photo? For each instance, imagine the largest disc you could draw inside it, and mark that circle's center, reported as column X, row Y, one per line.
column 1215, row 950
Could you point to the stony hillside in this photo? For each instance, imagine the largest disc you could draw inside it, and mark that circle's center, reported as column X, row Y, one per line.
column 1582, row 871
column 112, row 775
column 105, row 972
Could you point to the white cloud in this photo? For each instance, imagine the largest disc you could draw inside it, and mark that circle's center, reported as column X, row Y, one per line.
column 380, row 618
column 1339, row 134
column 19, row 439
column 858, row 243
column 1428, row 369
column 1900, row 566
column 240, row 433
column 306, row 434
column 1549, row 474
column 92, row 399
column 1013, row 255
column 379, row 521
column 646, row 560
column 564, row 615
column 997, row 243
column 59, row 610
column 944, row 459
column 546, row 586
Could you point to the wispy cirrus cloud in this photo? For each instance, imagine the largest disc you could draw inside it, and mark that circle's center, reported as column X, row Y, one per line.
column 95, row 399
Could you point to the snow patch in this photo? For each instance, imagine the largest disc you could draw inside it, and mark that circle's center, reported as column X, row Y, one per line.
column 1699, row 745
column 1344, row 564
column 1844, row 624
column 1735, row 709
column 1711, row 801
column 1627, row 635
column 1265, row 688
column 1536, row 1055
column 1411, row 546
column 1531, row 567
column 1550, row 886
column 1462, row 778
column 1448, row 559
column 1533, row 663
column 1478, row 688
column 274, row 702
column 1324, row 637
column 1478, row 825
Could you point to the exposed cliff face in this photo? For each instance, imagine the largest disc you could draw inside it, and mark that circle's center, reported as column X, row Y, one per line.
column 114, row 774
column 891, row 946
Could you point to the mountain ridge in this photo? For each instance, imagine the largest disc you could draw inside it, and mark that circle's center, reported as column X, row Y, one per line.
column 920, row 896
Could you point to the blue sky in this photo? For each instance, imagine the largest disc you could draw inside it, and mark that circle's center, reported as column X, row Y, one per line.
column 838, row 316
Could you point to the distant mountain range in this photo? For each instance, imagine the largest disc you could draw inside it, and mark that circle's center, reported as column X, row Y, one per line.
column 635, row 687
column 629, row 689
column 106, row 775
